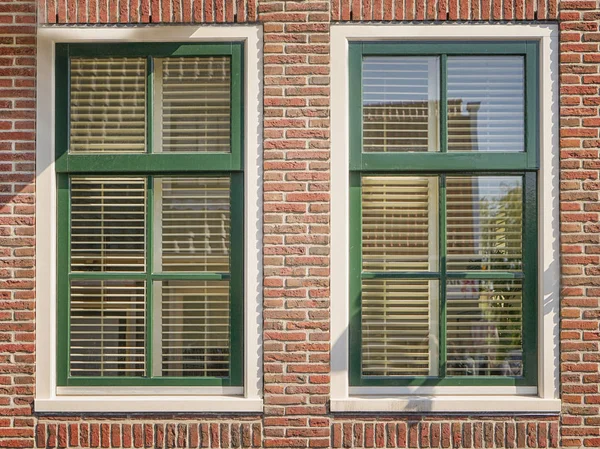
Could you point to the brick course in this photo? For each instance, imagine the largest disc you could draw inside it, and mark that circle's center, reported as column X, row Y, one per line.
column 296, row 232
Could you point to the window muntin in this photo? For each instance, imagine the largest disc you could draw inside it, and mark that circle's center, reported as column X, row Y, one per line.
column 443, row 279
column 150, row 244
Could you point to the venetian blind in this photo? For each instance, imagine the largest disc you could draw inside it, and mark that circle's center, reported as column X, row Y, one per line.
column 400, row 103
column 195, row 328
column 108, row 105
column 194, row 224
column 486, row 103
column 107, row 320
column 194, row 104
column 107, row 224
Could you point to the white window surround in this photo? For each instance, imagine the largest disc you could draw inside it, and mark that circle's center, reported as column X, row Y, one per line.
column 49, row 397
column 540, row 399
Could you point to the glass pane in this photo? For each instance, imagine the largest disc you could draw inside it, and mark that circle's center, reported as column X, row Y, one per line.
column 399, row 328
column 193, row 104
column 108, row 105
column 193, row 224
column 485, row 223
column 107, row 224
column 107, row 323
column 400, row 103
column 399, row 223
column 486, row 103
column 193, row 335
column 484, row 328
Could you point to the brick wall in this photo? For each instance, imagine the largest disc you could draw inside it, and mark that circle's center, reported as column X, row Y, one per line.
column 296, row 232
column 17, row 232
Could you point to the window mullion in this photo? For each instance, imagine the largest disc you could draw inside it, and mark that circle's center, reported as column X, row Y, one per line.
column 149, row 105
column 443, row 103
column 149, row 281
column 443, row 273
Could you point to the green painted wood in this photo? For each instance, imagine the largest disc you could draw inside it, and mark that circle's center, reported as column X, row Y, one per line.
column 236, row 284
column 530, row 283
column 440, row 164
column 151, row 164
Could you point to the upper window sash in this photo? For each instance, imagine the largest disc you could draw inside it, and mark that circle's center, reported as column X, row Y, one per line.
column 149, row 161
column 443, row 160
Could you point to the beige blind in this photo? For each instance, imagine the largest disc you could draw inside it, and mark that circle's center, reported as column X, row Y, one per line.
column 486, row 103
column 107, row 325
column 194, row 335
column 107, row 224
column 399, row 223
column 400, row 103
column 193, row 224
column 194, row 104
column 484, row 328
column 485, row 223
column 108, row 105
column 398, row 322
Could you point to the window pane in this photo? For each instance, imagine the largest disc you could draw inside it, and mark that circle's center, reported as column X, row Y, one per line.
column 485, row 223
column 193, row 224
column 193, row 104
column 399, row 223
column 400, row 103
column 193, row 338
column 486, row 103
column 399, row 327
column 107, row 224
column 107, row 324
column 484, row 328
column 108, row 105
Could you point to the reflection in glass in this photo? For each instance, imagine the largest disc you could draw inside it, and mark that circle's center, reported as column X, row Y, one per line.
column 399, row 223
column 194, row 224
column 193, row 340
column 193, row 104
column 399, row 327
column 486, row 103
column 484, row 328
column 107, row 105
column 106, row 328
column 400, row 103
column 484, row 223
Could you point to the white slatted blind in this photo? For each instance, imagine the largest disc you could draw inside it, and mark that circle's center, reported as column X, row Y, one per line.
column 193, row 223
column 195, row 328
column 486, row 103
column 485, row 223
column 400, row 103
column 399, row 223
column 484, row 328
column 194, row 104
column 107, row 328
column 108, row 224
column 398, row 322
column 108, row 105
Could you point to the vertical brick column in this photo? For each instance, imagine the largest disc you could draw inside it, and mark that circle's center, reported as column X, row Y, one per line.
column 580, row 222
column 17, row 174
column 296, row 230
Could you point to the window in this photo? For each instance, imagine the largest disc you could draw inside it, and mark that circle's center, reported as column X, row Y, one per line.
column 150, row 214
column 443, row 213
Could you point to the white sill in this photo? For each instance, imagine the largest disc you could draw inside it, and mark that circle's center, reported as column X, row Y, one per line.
column 446, row 404
column 150, row 404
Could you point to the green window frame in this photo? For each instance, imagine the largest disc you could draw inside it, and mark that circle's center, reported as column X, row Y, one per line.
column 150, row 166
column 442, row 165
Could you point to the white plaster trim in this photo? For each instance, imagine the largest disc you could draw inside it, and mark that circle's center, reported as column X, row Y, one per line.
column 162, row 404
column 47, row 394
column 549, row 272
column 447, row 404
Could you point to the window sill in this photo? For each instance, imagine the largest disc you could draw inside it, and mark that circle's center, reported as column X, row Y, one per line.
column 149, row 404
column 447, row 404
